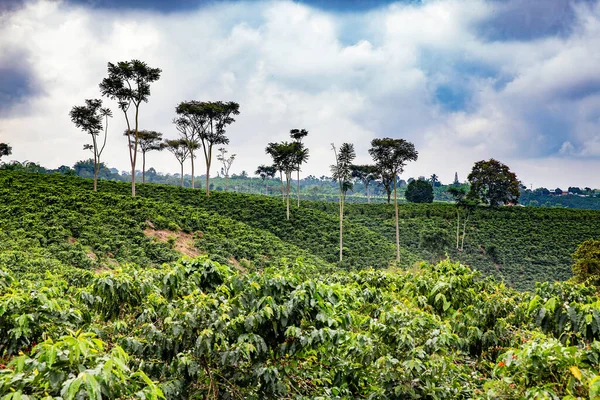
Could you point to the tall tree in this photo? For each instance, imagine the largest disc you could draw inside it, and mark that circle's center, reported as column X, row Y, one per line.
column 493, row 183
column 128, row 82
column 190, row 122
column 342, row 173
column 5, row 150
column 181, row 151
column 89, row 119
column 302, row 155
column 266, row 172
column 390, row 156
column 365, row 174
column 285, row 159
column 227, row 162
column 213, row 118
column 148, row 141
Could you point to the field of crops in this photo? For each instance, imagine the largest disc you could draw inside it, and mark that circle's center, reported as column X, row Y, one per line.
column 96, row 300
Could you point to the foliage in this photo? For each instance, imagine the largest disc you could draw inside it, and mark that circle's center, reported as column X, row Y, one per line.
column 5, row 150
column 89, row 119
column 587, row 262
column 198, row 329
column 493, row 183
column 128, row 83
column 419, row 191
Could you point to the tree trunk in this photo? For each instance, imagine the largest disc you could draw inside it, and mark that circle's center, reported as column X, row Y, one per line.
column 96, row 168
column 288, row 178
column 207, row 179
column 137, row 109
column 298, row 186
column 457, row 228
column 341, row 225
column 397, row 227
column 144, row 167
column 462, row 244
column 192, row 160
column 96, row 163
column 182, row 184
column 282, row 187
column 389, row 193
column 368, row 194
column 267, row 187
column 227, row 182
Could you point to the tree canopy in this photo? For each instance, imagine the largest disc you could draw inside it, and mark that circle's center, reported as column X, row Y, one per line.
column 493, row 183
column 587, row 262
column 419, row 191
column 5, row 150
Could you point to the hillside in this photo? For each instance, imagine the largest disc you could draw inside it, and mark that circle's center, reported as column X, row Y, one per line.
column 96, row 301
column 58, row 217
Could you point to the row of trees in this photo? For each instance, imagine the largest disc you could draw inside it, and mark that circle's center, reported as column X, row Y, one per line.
column 200, row 124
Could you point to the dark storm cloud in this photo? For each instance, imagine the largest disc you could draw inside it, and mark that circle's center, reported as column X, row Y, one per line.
column 530, row 19
column 16, row 80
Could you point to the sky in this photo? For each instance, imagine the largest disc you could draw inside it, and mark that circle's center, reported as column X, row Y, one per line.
column 464, row 80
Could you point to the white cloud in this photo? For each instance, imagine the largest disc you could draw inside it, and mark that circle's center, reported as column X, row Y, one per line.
column 290, row 65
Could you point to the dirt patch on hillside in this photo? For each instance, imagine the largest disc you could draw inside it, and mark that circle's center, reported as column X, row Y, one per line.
column 181, row 242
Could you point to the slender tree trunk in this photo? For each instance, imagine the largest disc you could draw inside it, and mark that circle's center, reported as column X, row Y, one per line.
column 298, row 185
column 288, row 178
column 96, row 162
column 341, row 225
column 397, row 227
column 267, row 187
column 192, row 159
column 144, row 167
column 137, row 109
column 282, row 187
column 457, row 228
column 368, row 194
column 227, row 182
column 389, row 193
column 182, row 183
column 462, row 244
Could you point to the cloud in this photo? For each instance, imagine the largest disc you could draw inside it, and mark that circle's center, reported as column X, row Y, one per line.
column 423, row 72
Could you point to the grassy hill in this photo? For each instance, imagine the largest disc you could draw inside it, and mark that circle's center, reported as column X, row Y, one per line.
column 58, row 217
column 96, row 301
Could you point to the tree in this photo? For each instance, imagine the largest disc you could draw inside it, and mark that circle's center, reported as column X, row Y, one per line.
column 435, row 180
column 128, row 82
column 213, row 117
column 390, row 156
column 558, row 191
column 148, row 141
column 181, row 151
column 493, row 183
column 419, row 191
column 464, row 208
column 190, row 122
column 342, row 173
column 285, row 160
column 365, row 174
column 89, row 119
column 456, row 181
column 302, row 155
column 226, row 161
column 266, row 172
column 5, row 150
column 574, row 190
column 587, row 262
